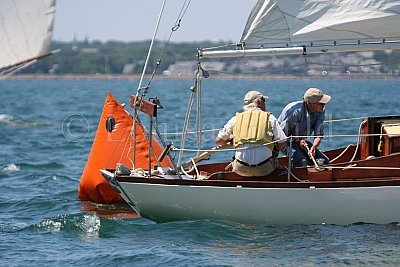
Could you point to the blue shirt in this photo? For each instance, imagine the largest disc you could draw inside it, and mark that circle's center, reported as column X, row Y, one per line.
column 295, row 120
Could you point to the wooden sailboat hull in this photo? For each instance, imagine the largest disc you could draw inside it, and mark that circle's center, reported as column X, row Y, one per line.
column 272, row 203
column 361, row 184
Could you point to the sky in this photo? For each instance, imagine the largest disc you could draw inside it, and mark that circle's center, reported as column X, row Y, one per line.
column 135, row 20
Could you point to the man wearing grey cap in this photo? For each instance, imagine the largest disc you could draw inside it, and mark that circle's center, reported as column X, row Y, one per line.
column 302, row 118
column 255, row 134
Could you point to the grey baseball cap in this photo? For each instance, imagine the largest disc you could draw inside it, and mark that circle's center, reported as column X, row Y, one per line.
column 315, row 95
column 253, row 96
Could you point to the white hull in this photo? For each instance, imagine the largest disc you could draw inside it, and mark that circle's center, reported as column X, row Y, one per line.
column 272, row 206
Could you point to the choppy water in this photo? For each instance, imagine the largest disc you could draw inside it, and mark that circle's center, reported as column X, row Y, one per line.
column 46, row 131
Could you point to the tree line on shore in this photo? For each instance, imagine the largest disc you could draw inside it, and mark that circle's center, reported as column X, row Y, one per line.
column 111, row 57
column 114, row 57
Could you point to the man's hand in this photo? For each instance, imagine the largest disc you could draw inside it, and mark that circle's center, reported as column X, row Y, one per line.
column 221, row 141
column 311, row 151
column 303, row 144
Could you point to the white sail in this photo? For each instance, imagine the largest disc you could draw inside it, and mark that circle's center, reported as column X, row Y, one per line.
column 297, row 24
column 26, row 28
column 281, row 22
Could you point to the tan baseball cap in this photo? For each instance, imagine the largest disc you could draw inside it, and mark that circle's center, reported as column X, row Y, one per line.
column 253, row 96
column 315, row 95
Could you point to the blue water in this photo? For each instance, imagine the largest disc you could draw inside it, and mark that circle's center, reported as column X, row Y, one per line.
column 46, row 132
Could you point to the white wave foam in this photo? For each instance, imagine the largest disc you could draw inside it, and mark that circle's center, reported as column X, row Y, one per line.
column 10, row 168
column 51, row 226
column 90, row 225
column 11, row 121
column 6, row 118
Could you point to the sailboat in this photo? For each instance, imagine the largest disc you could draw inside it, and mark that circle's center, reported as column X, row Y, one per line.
column 26, row 33
column 362, row 182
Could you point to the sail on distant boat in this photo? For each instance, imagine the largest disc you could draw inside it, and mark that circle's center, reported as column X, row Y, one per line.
column 26, row 32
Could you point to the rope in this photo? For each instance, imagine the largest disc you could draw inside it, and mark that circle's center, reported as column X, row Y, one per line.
column 355, row 151
column 226, row 149
column 184, row 172
column 192, row 132
column 217, row 47
column 358, row 141
column 195, row 167
column 348, row 119
column 343, row 135
column 198, row 113
column 218, row 129
column 341, row 154
column 187, row 117
column 280, row 141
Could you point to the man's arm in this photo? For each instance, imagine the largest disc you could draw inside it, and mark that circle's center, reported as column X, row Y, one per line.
column 317, row 141
column 225, row 134
column 279, row 134
column 288, row 118
column 280, row 146
column 319, row 132
column 221, row 141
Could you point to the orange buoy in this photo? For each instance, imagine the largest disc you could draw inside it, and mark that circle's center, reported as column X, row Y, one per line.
column 114, row 147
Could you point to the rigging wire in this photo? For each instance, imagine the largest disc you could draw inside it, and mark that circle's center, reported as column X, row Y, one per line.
column 218, row 129
column 176, row 26
column 135, row 116
column 151, row 47
column 277, row 141
column 146, row 88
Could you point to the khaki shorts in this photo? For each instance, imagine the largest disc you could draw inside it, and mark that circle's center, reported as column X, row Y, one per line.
column 248, row 171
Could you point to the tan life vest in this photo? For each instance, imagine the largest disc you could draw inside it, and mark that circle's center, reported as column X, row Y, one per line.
column 254, row 127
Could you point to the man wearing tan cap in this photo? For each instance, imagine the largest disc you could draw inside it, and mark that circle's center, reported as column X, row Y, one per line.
column 255, row 134
column 302, row 118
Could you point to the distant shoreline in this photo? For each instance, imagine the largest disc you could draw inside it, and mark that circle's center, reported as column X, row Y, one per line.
column 212, row 77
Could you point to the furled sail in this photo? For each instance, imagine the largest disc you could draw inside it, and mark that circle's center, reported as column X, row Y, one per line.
column 301, row 24
column 26, row 28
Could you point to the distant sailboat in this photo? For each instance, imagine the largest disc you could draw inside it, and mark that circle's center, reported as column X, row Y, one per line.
column 26, row 33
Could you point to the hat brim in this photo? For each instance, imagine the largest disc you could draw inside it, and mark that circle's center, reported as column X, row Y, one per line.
column 249, row 101
column 325, row 99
